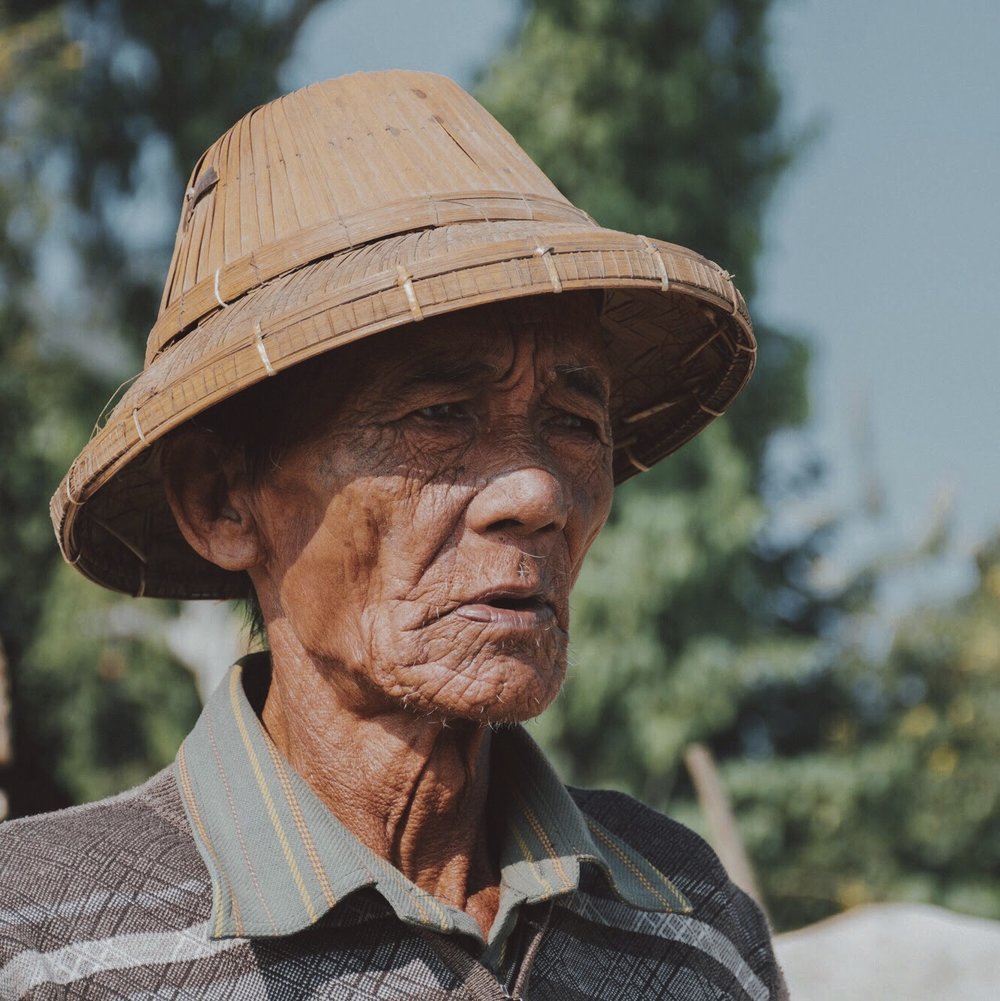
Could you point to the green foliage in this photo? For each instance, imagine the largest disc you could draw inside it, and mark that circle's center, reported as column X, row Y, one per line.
column 898, row 799
column 662, row 118
column 118, row 704
column 104, row 107
column 38, row 392
column 28, row 436
column 853, row 779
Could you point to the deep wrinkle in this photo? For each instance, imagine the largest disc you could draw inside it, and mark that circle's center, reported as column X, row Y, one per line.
column 413, row 558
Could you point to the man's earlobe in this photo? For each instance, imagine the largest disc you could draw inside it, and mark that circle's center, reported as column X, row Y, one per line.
column 209, row 494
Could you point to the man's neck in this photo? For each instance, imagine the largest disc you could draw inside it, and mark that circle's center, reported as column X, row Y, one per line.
column 411, row 789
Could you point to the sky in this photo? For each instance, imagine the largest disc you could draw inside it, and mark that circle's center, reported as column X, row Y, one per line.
column 883, row 250
column 881, row 243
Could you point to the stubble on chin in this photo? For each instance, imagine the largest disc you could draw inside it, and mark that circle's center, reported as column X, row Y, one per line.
column 488, row 682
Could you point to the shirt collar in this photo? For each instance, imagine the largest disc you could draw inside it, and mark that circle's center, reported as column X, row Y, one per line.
column 279, row 859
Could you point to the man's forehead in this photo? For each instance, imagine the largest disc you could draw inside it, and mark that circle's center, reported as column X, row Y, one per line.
column 564, row 346
column 451, row 364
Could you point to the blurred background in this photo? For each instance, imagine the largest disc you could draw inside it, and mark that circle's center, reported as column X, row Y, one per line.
column 804, row 602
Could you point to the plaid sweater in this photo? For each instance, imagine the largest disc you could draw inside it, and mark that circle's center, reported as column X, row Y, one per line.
column 126, row 899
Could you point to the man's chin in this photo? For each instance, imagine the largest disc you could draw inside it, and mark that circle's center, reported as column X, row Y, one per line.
column 508, row 693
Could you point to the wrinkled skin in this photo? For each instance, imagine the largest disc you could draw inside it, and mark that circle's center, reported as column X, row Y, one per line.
column 414, row 560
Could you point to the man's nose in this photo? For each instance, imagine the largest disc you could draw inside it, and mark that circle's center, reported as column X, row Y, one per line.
column 519, row 502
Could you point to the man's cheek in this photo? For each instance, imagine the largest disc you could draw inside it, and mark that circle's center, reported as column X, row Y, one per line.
column 345, row 549
column 426, row 513
column 592, row 501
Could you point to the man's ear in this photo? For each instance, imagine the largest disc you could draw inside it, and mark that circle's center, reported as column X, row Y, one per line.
column 209, row 493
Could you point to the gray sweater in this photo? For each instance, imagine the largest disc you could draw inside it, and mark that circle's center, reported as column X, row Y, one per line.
column 112, row 900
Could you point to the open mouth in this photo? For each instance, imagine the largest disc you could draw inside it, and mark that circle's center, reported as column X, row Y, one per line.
column 508, row 601
column 517, row 611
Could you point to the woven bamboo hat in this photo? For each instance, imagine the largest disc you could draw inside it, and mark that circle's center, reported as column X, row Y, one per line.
column 354, row 206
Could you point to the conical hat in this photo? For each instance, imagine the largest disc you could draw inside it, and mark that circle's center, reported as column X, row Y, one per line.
column 351, row 207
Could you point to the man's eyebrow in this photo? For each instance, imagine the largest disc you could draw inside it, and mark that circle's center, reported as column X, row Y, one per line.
column 584, row 379
column 447, row 371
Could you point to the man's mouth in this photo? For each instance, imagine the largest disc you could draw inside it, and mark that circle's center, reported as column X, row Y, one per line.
column 524, row 611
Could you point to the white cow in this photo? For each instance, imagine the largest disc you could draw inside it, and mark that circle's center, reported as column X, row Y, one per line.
column 893, row 952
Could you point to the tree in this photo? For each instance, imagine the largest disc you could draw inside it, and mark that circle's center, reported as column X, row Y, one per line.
column 39, row 395
column 105, row 107
column 897, row 799
column 693, row 620
column 662, row 118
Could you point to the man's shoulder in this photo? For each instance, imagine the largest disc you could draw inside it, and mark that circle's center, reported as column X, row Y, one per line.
column 676, row 850
column 151, row 809
column 64, row 870
column 693, row 867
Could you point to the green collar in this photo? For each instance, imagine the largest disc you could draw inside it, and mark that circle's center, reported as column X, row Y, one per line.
column 280, row 860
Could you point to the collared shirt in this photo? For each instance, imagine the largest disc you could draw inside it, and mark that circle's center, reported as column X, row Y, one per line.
column 224, row 878
column 280, row 860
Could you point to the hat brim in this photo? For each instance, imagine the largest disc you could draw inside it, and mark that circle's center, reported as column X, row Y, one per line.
column 680, row 337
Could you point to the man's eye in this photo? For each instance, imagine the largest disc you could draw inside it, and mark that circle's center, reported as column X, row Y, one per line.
column 443, row 412
column 574, row 422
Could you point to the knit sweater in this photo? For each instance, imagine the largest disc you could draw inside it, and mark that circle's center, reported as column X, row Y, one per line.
column 113, row 900
column 226, row 877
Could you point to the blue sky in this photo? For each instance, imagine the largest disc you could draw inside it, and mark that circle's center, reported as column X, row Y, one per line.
column 883, row 247
column 882, row 242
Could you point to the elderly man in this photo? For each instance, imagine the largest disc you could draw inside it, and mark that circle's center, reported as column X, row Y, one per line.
column 394, row 379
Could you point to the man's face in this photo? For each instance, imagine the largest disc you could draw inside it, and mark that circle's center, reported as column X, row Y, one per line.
column 421, row 548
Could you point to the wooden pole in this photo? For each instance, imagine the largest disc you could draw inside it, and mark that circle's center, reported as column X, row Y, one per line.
column 6, row 743
column 718, row 809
